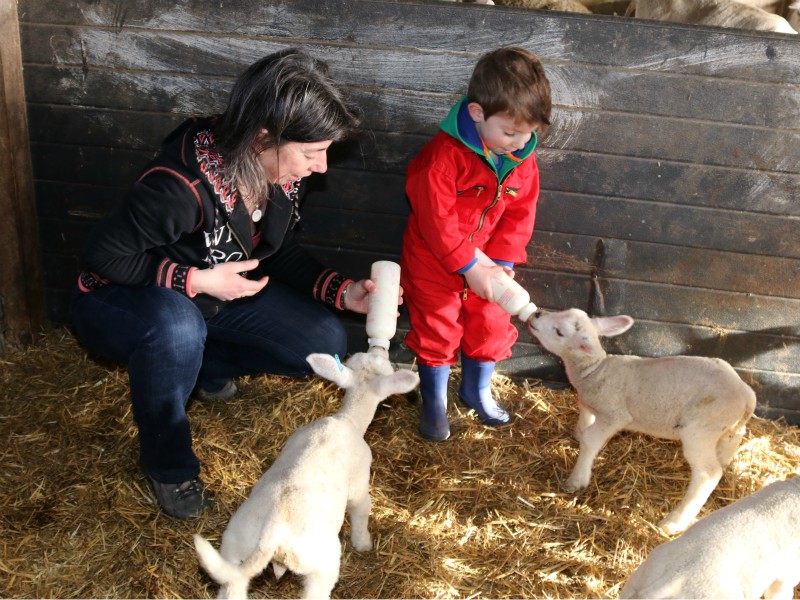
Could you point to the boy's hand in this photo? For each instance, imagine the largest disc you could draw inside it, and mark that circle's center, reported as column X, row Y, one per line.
column 479, row 279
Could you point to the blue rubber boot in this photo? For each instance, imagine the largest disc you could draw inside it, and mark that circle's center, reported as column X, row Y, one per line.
column 433, row 424
column 476, row 392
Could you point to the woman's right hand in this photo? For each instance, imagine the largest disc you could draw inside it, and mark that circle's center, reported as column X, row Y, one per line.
column 225, row 282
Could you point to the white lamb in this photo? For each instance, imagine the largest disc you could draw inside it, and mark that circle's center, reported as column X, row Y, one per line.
column 700, row 401
column 748, row 549
column 293, row 515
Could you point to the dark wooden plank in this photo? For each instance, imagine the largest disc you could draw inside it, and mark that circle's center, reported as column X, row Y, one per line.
column 60, row 271
column 78, row 202
column 672, row 182
column 88, row 165
column 574, row 86
column 63, row 237
column 365, row 231
column 734, row 229
column 108, row 128
column 599, row 216
column 586, row 131
column 57, row 303
column 453, row 27
column 661, row 263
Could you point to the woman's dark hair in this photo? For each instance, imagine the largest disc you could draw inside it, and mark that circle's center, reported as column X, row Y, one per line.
column 292, row 96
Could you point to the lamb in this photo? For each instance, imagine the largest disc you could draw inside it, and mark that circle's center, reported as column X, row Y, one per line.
column 745, row 550
column 698, row 400
column 294, row 513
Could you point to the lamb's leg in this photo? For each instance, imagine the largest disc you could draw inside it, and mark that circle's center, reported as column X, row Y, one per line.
column 586, row 419
column 359, row 506
column 706, row 473
column 728, row 444
column 592, row 439
column 234, row 590
column 324, row 573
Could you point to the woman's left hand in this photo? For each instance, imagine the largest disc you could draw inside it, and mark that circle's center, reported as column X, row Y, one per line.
column 358, row 292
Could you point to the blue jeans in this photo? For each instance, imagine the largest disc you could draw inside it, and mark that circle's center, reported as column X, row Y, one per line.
column 169, row 348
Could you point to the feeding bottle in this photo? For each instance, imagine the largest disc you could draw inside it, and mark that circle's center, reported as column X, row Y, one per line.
column 511, row 296
column 382, row 314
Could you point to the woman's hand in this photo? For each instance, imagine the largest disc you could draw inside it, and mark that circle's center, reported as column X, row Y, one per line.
column 357, row 298
column 225, row 282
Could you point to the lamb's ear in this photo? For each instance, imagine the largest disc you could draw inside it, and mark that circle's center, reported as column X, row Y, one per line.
column 611, row 326
column 399, row 382
column 331, row 368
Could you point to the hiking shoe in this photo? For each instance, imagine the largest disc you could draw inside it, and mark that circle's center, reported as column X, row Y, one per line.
column 227, row 392
column 185, row 500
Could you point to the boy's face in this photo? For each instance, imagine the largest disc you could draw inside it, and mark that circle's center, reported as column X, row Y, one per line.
column 501, row 133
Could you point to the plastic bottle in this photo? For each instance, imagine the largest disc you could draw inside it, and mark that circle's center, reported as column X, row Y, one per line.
column 511, row 296
column 382, row 314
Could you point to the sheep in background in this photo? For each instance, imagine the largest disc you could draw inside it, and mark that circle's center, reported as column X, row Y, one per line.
column 745, row 550
column 563, row 5
column 793, row 15
column 720, row 13
column 472, row 1
column 294, row 513
column 700, row 401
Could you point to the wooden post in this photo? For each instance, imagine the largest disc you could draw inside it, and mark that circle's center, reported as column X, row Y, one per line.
column 21, row 295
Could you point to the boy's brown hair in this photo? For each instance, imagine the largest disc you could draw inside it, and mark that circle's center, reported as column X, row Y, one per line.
column 512, row 80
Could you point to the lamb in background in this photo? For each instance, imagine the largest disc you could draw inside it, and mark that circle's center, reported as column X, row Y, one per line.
column 700, row 401
column 293, row 515
column 745, row 550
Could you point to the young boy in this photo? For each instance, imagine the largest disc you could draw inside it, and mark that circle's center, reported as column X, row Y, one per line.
column 474, row 185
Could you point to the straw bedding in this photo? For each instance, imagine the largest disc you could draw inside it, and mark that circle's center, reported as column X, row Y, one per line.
column 481, row 515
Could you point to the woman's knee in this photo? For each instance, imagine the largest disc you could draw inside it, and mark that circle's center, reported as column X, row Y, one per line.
column 115, row 321
column 177, row 321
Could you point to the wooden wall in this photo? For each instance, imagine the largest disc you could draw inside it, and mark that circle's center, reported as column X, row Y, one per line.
column 21, row 299
column 670, row 175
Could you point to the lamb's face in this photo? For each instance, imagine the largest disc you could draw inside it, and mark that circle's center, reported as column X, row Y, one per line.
column 564, row 332
column 370, row 364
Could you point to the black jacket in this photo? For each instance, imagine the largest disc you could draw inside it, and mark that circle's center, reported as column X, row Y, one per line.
column 182, row 214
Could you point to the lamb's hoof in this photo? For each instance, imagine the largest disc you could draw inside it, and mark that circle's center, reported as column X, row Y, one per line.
column 671, row 527
column 570, row 485
column 362, row 545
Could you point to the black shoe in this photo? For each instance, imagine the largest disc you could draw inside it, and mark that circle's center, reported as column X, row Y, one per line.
column 228, row 392
column 185, row 500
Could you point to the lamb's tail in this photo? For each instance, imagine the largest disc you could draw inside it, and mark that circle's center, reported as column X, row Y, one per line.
column 225, row 572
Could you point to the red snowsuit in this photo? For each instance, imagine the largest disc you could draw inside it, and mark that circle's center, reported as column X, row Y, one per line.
column 460, row 201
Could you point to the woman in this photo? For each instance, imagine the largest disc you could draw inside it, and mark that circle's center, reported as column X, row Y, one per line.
column 196, row 279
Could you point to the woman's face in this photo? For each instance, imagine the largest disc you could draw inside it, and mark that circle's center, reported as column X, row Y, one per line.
column 294, row 160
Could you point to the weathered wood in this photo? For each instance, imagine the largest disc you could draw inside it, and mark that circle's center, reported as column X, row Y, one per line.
column 21, row 301
column 669, row 176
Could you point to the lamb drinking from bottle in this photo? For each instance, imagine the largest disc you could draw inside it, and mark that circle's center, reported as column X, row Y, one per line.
column 698, row 400
column 295, row 511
